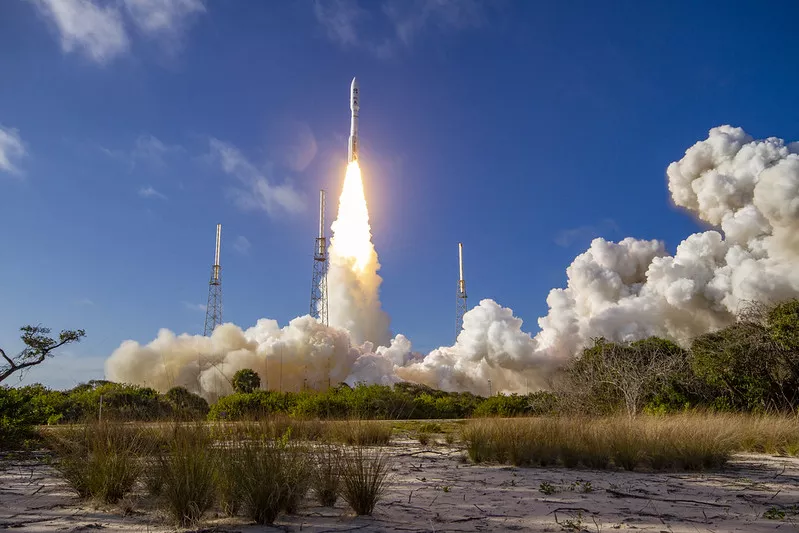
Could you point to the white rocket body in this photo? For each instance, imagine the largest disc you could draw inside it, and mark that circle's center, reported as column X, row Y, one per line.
column 354, row 107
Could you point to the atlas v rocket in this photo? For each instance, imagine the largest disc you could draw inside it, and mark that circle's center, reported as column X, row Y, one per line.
column 354, row 106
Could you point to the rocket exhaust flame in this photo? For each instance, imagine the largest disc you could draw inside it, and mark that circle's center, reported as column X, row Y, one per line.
column 352, row 236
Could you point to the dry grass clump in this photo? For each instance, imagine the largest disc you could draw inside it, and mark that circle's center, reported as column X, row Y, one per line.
column 326, row 478
column 360, row 432
column 271, row 475
column 776, row 435
column 668, row 443
column 100, row 459
column 424, row 438
column 364, row 477
column 188, row 470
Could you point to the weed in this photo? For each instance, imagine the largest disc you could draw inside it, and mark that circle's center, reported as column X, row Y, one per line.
column 547, row 488
column 424, row 438
column 774, row 513
column 449, row 439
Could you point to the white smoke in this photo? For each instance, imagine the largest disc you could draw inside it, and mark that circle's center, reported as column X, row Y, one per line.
column 747, row 189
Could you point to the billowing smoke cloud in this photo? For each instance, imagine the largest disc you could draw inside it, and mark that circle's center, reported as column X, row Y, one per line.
column 747, row 189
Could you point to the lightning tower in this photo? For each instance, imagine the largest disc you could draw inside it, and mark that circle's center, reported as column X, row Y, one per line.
column 213, row 311
column 460, row 299
column 319, row 282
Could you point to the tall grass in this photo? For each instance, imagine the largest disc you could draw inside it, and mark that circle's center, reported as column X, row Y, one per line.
column 188, row 467
column 364, row 477
column 668, row 443
column 100, row 459
column 360, row 432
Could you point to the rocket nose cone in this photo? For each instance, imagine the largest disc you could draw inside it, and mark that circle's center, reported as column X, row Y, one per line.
column 354, row 84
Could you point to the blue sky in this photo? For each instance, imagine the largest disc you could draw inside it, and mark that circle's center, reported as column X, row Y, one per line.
column 523, row 129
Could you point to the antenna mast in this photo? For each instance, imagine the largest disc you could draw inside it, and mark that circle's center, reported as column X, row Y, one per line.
column 319, row 282
column 460, row 299
column 213, row 311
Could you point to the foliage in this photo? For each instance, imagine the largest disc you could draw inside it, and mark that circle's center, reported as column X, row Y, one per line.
column 38, row 347
column 246, row 381
column 17, row 418
column 186, row 405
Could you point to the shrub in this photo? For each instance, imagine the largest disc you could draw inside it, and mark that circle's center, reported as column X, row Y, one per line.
column 186, row 405
column 424, row 438
column 189, row 470
column 16, row 418
column 364, row 477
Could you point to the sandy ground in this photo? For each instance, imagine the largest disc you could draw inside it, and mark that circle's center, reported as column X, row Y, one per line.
column 434, row 490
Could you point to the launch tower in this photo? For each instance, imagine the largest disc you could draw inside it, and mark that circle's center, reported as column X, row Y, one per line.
column 460, row 299
column 213, row 311
column 319, row 282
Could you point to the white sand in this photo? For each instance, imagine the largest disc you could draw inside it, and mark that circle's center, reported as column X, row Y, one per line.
column 434, row 490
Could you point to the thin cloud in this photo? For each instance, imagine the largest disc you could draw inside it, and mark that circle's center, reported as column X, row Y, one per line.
column 12, row 149
column 194, row 307
column 84, row 301
column 84, row 26
column 348, row 24
column 257, row 192
column 150, row 149
column 99, row 31
column 241, row 245
column 147, row 150
column 164, row 20
column 586, row 233
column 339, row 18
column 150, row 192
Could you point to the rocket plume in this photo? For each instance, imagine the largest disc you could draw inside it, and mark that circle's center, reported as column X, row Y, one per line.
column 747, row 189
column 353, row 282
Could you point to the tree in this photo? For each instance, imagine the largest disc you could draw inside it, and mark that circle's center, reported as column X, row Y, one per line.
column 186, row 404
column 38, row 347
column 246, row 380
column 609, row 373
column 754, row 363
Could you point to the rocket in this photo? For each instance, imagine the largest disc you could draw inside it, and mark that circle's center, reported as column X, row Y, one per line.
column 354, row 107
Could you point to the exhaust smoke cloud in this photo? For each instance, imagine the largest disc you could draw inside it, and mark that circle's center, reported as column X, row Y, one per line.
column 747, row 189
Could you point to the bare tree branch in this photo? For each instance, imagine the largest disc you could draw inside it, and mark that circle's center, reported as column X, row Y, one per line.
column 38, row 347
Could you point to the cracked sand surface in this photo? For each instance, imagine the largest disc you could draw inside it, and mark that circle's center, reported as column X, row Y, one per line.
column 434, row 490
